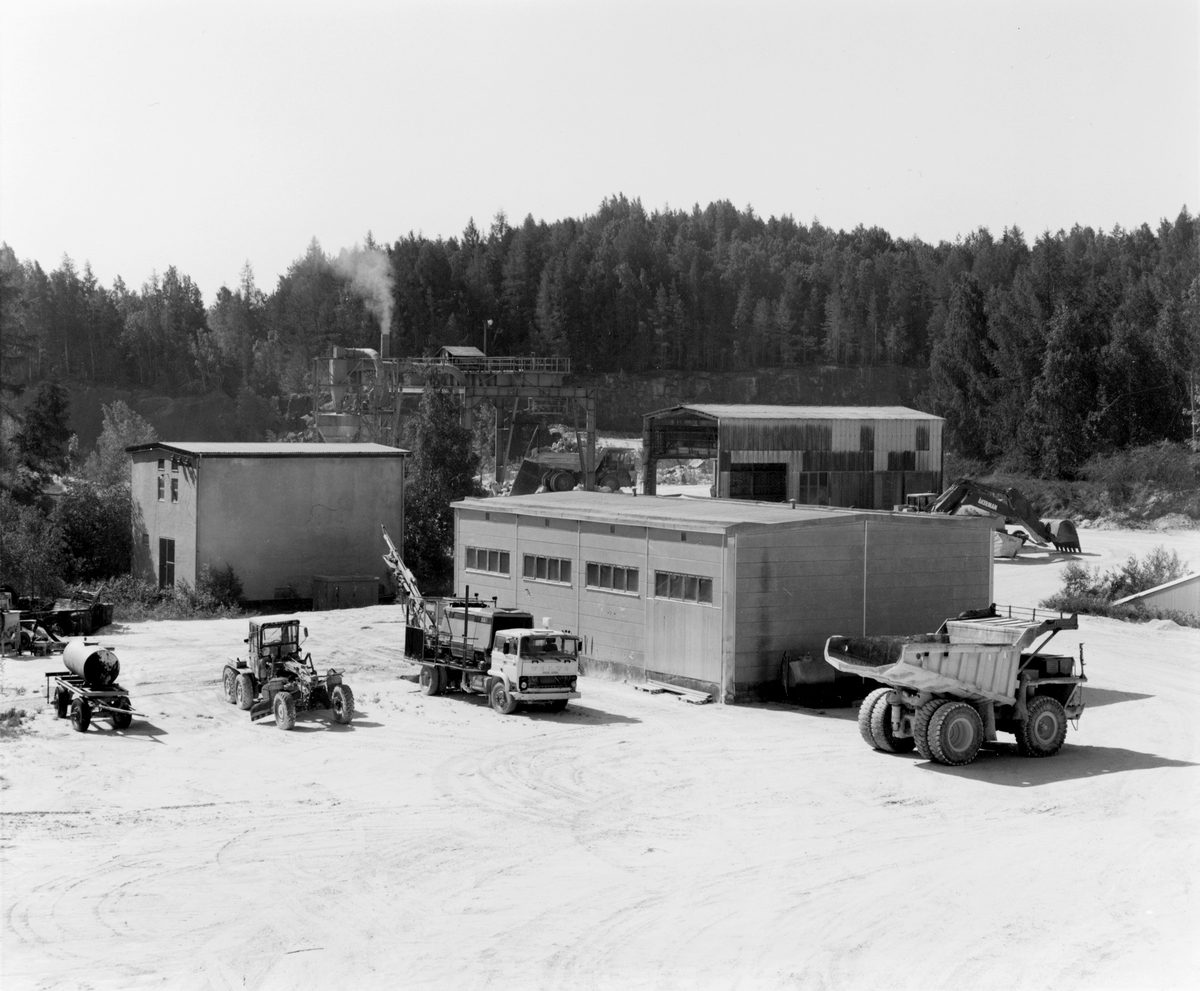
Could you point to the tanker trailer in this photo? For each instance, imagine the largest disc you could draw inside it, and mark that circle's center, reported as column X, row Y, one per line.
column 89, row 688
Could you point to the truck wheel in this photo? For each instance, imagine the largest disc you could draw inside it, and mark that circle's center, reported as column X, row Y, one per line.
column 342, row 703
column 229, row 679
column 955, row 733
column 881, row 730
column 610, row 482
column 921, row 726
column 244, row 693
column 62, row 703
column 864, row 715
column 121, row 720
column 81, row 715
column 431, row 679
column 1044, row 730
column 502, row 700
column 285, row 710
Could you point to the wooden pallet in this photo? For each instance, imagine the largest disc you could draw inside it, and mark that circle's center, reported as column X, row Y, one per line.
column 687, row 694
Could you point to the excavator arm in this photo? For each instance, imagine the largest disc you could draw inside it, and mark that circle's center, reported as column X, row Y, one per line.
column 1012, row 506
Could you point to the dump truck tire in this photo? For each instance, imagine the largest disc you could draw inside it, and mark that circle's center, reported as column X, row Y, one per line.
column 610, row 482
column 229, row 683
column 1042, row 733
column 955, row 733
column 921, row 726
column 62, row 703
column 864, row 716
column 881, row 730
column 121, row 720
column 285, row 710
column 244, row 691
column 342, row 703
column 81, row 715
column 431, row 679
column 502, row 700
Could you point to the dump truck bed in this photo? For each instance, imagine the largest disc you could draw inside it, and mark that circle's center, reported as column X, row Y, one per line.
column 977, row 658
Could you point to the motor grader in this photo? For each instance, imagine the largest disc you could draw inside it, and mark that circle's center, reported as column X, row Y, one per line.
column 274, row 679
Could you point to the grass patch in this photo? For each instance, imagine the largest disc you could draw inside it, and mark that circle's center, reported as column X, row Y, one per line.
column 14, row 721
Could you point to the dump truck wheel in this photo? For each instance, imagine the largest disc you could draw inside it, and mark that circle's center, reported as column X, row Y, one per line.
column 864, row 716
column 62, row 703
column 921, row 726
column 955, row 733
column 342, row 703
column 610, row 482
column 502, row 700
column 285, row 710
column 431, row 679
column 881, row 730
column 1044, row 730
column 244, row 693
column 121, row 720
column 229, row 682
column 81, row 715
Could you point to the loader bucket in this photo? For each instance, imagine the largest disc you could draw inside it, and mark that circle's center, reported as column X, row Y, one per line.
column 1063, row 535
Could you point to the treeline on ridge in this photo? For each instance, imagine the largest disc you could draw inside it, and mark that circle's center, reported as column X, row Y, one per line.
column 1040, row 355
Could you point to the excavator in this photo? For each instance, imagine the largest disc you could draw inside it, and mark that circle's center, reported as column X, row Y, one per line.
column 966, row 496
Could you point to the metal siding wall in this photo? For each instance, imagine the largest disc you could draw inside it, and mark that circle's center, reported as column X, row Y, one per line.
column 474, row 530
column 796, row 587
column 922, row 571
column 614, row 622
column 846, row 433
column 684, row 638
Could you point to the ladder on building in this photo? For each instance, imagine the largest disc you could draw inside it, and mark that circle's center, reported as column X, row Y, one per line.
column 406, row 584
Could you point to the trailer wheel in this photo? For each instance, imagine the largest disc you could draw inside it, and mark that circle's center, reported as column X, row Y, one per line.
column 921, row 726
column 1044, row 730
column 431, row 679
column 81, row 715
column 62, row 702
column 244, row 693
column 502, row 700
column 121, row 720
column 955, row 733
column 229, row 679
column 285, row 710
column 864, row 716
column 342, row 703
column 882, row 733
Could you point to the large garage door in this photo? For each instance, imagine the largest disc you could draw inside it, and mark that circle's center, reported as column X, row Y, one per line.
column 761, row 482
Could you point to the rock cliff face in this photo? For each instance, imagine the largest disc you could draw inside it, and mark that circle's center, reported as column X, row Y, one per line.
column 624, row 399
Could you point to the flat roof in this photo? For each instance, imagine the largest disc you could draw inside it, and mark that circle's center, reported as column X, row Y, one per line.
column 684, row 513
column 751, row 411
column 220, row 449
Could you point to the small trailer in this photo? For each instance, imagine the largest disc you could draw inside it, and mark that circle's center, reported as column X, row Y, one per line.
column 945, row 693
column 89, row 690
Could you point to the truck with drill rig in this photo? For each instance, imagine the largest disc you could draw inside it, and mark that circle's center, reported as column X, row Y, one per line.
column 946, row 693
column 473, row 645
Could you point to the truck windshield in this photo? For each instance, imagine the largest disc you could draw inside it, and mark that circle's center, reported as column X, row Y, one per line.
column 273, row 635
column 533, row 646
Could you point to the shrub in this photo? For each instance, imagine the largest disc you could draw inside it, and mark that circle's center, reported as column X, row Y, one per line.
column 137, row 599
column 222, row 586
column 1088, row 590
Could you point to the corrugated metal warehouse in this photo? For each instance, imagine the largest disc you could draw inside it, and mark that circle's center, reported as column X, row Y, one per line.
column 278, row 514
column 868, row 457
column 710, row 593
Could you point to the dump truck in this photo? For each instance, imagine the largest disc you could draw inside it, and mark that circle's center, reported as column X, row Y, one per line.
column 273, row 679
column 561, row 471
column 944, row 694
column 474, row 645
column 965, row 496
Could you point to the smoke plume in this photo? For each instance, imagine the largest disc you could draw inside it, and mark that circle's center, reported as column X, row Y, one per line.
column 370, row 275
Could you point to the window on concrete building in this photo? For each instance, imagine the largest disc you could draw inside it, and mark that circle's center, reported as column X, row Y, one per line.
column 494, row 562
column 162, row 464
column 685, row 588
column 612, row 578
column 166, row 563
column 174, row 489
column 162, row 487
column 547, row 569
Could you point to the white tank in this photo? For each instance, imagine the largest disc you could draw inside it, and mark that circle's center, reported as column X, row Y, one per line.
column 97, row 666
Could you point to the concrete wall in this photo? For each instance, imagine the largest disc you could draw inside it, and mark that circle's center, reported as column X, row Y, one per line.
column 279, row 521
column 153, row 519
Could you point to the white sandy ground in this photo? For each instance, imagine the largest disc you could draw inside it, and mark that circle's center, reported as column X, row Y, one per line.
column 634, row 841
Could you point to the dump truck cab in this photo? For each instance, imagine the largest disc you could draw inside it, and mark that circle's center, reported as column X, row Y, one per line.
column 535, row 665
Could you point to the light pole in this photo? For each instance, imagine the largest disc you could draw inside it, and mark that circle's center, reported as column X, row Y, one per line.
column 486, row 325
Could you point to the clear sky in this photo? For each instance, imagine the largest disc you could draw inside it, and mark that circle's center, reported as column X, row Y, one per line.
column 137, row 135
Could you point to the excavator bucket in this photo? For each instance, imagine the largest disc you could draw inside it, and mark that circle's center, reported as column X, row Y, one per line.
column 1063, row 535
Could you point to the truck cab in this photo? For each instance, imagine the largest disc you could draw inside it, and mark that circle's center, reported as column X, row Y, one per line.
column 271, row 642
column 534, row 665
